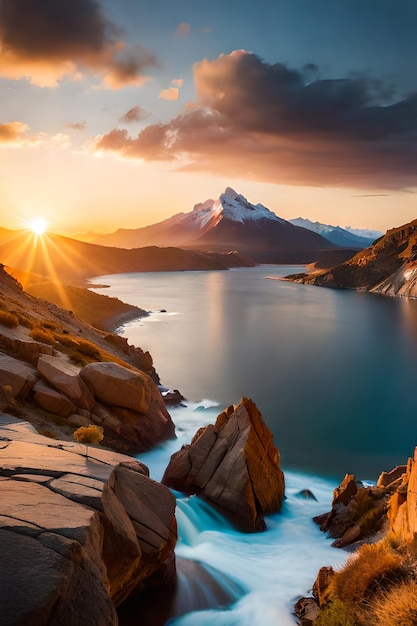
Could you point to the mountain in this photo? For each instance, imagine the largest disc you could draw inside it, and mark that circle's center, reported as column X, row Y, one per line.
column 365, row 232
column 72, row 262
column 388, row 267
column 230, row 222
column 339, row 236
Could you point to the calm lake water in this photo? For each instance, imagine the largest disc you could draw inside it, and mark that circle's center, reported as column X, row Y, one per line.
column 332, row 371
column 334, row 375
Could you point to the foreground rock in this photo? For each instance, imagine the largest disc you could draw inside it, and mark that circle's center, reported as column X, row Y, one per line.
column 77, row 535
column 124, row 401
column 234, row 465
column 359, row 512
column 377, row 585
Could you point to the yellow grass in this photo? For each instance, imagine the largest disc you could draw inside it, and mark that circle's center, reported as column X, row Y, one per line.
column 397, row 606
column 9, row 319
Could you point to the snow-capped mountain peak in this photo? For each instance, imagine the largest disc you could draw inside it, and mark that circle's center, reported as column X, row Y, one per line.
column 232, row 206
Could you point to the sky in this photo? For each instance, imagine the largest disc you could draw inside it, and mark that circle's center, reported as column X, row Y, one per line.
column 121, row 114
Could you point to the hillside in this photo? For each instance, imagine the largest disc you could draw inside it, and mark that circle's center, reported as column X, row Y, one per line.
column 30, row 327
column 73, row 262
column 389, row 266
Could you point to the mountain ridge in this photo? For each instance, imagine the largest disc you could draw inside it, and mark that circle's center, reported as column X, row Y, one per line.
column 387, row 267
column 230, row 222
column 336, row 234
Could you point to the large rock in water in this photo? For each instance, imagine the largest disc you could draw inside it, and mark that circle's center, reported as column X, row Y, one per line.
column 234, row 465
column 77, row 535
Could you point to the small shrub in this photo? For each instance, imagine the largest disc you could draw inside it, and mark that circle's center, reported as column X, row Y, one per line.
column 43, row 335
column 50, row 325
column 89, row 435
column 9, row 319
column 66, row 340
column 80, row 359
column 25, row 321
column 88, row 348
column 335, row 613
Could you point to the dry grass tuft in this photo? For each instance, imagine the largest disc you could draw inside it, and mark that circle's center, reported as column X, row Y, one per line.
column 9, row 319
column 43, row 335
column 373, row 568
column 396, row 606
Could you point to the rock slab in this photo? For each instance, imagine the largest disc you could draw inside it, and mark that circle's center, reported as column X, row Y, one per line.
column 77, row 535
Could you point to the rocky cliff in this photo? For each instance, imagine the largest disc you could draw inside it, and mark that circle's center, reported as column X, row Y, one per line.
column 77, row 535
column 388, row 267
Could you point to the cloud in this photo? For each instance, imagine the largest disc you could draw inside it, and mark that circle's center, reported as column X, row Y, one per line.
column 183, row 29
column 12, row 132
column 267, row 122
column 135, row 114
column 172, row 93
column 76, row 125
column 45, row 41
column 16, row 135
column 178, row 82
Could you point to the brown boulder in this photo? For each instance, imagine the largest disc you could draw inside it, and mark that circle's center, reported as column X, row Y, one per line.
column 234, row 465
column 65, row 377
column 17, row 376
column 52, row 400
column 119, row 386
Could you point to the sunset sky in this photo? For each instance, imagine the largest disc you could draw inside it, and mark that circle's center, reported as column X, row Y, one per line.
column 120, row 114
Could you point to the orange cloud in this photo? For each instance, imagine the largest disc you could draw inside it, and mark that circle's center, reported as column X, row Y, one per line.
column 43, row 44
column 15, row 134
column 270, row 123
column 178, row 82
column 172, row 93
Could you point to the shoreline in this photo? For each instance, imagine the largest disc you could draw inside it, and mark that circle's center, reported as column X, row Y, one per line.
column 115, row 323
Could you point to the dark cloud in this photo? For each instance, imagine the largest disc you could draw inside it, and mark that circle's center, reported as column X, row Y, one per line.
column 268, row 122
column 47, row 39
column 135, row 114
column 76, row 125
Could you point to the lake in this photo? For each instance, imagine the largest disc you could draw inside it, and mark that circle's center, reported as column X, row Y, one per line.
column 332, row 371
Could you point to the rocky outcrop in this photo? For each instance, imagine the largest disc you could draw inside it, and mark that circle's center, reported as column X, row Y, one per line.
column 359, row 512
column 124, row 401
column 65, row 377
column 77, row 535
column 234, row 465
column 388, row 267
column 402, row 513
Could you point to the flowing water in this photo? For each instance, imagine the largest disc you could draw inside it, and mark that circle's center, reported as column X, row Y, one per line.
column 333, row 373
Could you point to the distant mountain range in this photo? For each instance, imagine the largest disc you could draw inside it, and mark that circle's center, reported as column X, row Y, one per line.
column 388, row 267
column 343, row 237
column 231, row 222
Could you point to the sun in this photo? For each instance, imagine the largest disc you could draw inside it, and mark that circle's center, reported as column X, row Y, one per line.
column 38, row 225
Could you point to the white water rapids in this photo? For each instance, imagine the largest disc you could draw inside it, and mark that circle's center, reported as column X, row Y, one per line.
column 262, row 574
